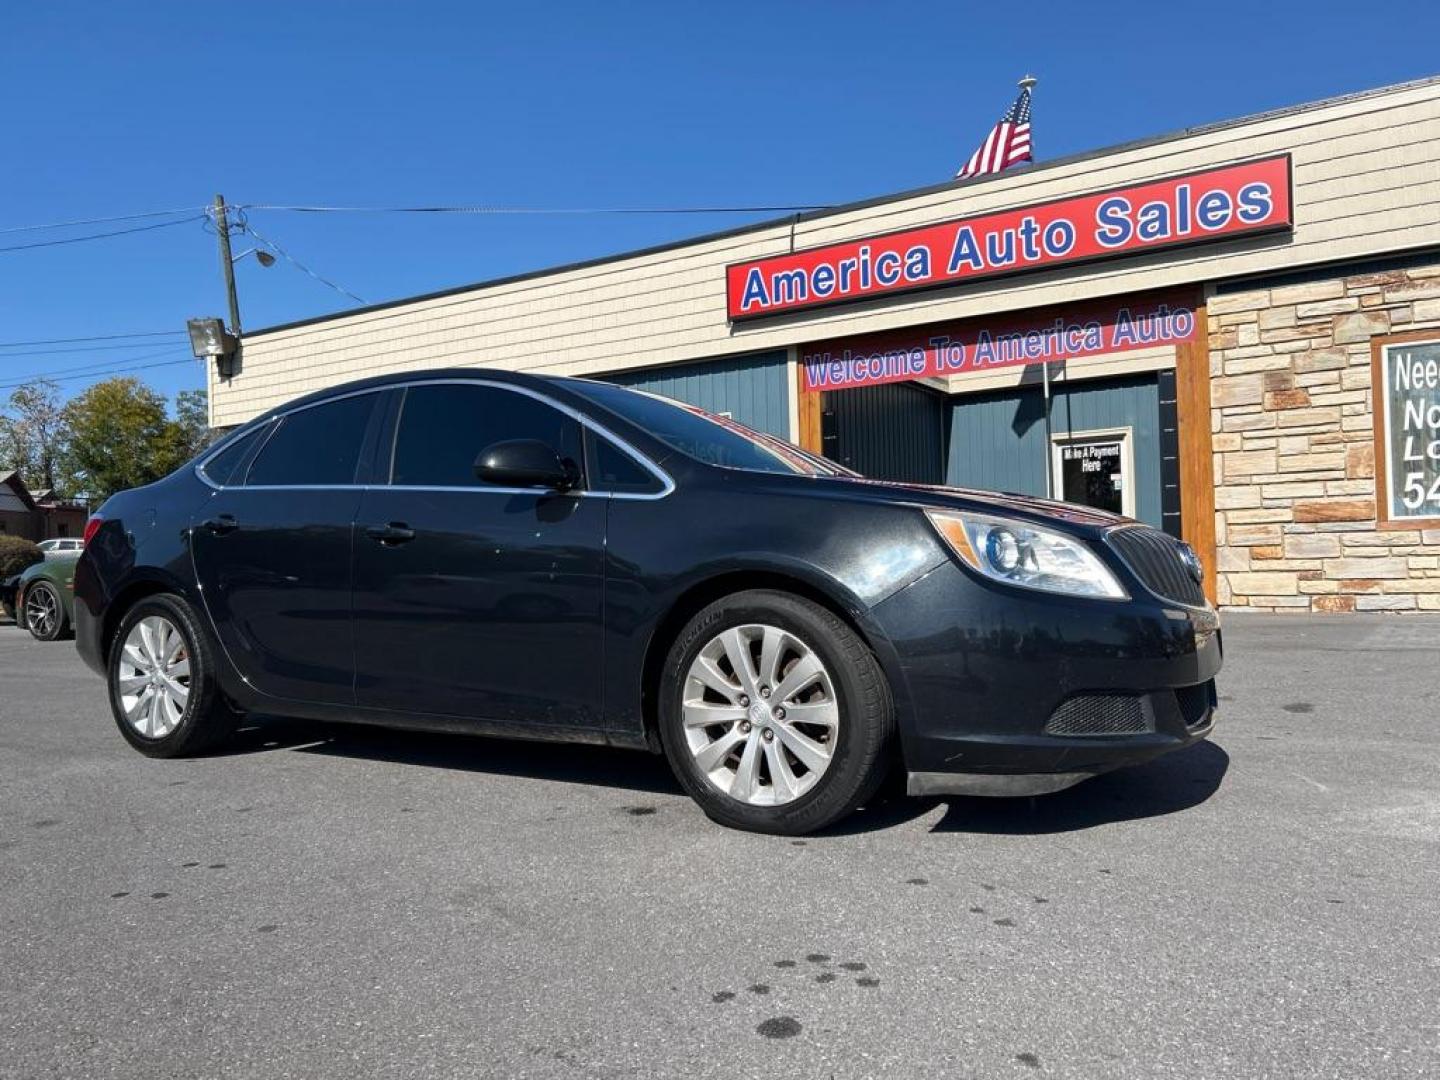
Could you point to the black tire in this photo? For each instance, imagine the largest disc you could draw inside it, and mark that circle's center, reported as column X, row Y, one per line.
column 56, row 628
column 208, row 719
column 867, row 721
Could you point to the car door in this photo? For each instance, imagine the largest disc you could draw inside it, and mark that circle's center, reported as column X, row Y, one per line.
column 473, row 600
column 272, row 548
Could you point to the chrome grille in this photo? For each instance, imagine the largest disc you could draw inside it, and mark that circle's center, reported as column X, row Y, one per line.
column 1155, row 558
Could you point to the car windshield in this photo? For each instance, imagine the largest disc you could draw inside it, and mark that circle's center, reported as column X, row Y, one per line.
column 715, row 440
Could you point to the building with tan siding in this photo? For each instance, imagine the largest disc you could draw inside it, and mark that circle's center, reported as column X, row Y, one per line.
column 1224, row 332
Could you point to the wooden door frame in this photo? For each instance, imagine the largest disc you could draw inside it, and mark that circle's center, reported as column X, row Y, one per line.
column 1197, row 454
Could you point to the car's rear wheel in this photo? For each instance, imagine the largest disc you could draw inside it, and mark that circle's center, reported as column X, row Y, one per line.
column 44, row 612
column 163, row 689
column 774, row 714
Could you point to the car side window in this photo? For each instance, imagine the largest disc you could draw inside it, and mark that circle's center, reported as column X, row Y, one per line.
column 444, row 427
column 315, row 446
column 612, row 469
column 219, row 468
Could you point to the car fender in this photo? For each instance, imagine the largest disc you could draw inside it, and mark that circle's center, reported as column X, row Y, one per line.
column 774, row 570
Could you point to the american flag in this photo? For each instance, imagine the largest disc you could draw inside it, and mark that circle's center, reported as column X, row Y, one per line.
column 1008, row 141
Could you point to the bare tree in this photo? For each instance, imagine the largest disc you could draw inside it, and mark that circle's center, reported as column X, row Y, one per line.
column 33, row 434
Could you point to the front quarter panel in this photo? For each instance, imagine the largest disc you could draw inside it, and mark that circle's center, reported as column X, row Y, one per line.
column 855, row 554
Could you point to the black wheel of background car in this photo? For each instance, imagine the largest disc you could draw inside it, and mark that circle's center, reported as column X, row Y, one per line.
column 774, row 714
column 163, row 689
column 44, row 612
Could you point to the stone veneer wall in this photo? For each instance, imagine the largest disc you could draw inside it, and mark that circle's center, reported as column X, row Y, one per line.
column 1294, row 447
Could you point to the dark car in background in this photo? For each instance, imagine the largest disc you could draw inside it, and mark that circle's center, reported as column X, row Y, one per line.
column 554, row 558
column 42, row 595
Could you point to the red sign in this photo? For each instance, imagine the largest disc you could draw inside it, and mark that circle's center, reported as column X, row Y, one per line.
column 977, row 345
column 1235, row 200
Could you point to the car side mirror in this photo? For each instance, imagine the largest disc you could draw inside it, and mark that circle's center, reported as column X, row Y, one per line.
column 525, row 463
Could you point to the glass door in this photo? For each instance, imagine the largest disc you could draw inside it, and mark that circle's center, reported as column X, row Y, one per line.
column 1096, row 468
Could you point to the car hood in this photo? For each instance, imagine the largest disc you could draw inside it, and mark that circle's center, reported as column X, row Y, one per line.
column 943, row 497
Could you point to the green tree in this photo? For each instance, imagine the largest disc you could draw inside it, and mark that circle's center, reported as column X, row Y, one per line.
column 120, row 436
column 192, row 414
column 33, row 434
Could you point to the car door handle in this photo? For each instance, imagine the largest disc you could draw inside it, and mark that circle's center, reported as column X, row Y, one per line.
column 391, row 533
column 220, row 524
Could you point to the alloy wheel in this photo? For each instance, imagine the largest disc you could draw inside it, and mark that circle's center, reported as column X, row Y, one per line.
column 42, row 611
column 153, row 677
column 761, row 718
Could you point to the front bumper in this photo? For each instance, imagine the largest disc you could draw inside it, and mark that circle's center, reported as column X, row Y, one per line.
column 995, row 681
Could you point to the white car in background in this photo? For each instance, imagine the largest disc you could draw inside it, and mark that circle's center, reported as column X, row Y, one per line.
column 61, row 543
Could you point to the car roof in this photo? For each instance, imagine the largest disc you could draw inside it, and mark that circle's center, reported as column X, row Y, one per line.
column 379, row 382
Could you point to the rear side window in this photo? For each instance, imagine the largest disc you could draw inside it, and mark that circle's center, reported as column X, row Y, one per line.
column 219, row 468
column 315, row 446
column 444, row 427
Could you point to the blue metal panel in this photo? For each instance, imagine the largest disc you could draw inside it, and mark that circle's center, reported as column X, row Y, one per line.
column 753, row 389
column 890, row 432
column 1132, row 403
column 997, row 441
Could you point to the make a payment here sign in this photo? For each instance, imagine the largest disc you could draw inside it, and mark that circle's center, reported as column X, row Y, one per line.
column 1214, row 204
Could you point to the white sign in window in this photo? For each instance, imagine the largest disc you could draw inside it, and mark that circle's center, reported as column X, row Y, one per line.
column 1096, row 468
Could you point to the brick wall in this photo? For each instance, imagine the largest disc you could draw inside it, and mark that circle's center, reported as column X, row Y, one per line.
column 1291, row 413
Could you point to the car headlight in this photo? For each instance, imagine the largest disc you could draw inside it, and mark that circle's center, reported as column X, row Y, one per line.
column 1019, row 553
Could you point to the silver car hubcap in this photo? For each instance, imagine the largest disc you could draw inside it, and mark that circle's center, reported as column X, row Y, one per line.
column 760, row 714
column 42, row 610
column 153, row 677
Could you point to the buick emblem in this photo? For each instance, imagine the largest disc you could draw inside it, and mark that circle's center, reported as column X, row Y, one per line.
column 1192, row 563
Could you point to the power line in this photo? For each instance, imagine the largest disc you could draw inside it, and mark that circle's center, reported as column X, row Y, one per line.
column 116, row 371
column 97, row 337
column 245, row 225
column 101, row 220
column 302, row 209
column 101, row 236
column 79, row 349
column 97, row 367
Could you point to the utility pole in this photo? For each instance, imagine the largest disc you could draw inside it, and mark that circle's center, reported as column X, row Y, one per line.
column 1049, row 437
column 227, row 266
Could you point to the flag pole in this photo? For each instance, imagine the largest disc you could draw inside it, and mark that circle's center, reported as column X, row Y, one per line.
column 1028, row 82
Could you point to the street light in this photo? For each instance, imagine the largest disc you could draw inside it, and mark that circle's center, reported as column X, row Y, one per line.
column 208, row 337
column 264, row 258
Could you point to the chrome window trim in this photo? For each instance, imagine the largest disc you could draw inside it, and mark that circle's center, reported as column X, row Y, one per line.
column 833, row 469
column 667, row 484
column 224, row 445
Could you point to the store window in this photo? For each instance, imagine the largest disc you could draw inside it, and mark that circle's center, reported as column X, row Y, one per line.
column 1096, row 468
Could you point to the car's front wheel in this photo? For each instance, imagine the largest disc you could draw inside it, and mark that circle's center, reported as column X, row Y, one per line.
column 163, row 688
column 44, row 612
column 774, row 714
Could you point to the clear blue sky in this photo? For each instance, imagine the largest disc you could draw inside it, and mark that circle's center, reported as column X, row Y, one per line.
column 118, row 107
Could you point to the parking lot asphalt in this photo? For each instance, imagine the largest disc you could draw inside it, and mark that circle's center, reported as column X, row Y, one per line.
column 332, row 902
